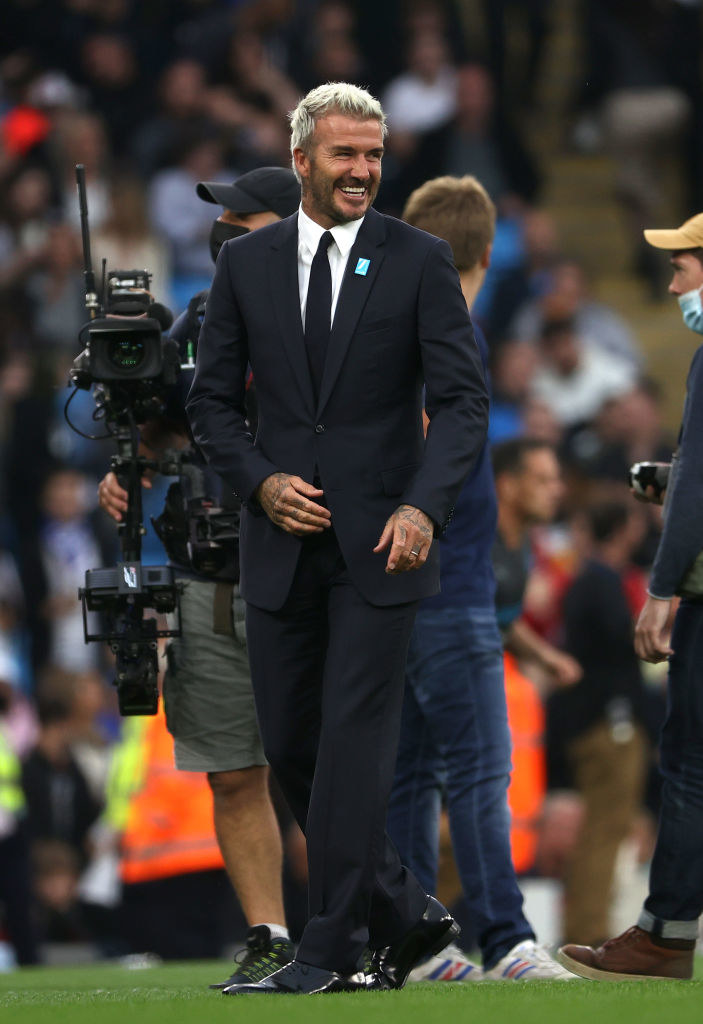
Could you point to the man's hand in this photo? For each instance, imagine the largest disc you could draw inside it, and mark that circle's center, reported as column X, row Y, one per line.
column 113, row 497
column 650, row 496
column 653, row 630
column 287, row 501
column 565, row 669
column 409, row 531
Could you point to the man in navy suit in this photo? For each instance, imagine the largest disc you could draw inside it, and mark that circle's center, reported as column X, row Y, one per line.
column 345, row 317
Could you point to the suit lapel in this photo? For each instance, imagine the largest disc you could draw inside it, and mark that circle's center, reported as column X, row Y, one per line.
column 283, row 280
column 352, row 299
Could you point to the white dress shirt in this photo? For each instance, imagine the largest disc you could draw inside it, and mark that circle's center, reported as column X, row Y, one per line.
column 309, row 235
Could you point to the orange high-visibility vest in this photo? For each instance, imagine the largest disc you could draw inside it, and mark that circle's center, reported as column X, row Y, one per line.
column 167, row 826
column 529, row 778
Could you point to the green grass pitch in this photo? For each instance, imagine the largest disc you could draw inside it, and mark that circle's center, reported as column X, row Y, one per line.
column 178, row 994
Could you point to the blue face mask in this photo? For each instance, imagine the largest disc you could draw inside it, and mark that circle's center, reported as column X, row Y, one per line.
column 690, row 304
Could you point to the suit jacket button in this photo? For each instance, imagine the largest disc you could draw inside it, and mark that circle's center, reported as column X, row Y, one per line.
column 320, row 428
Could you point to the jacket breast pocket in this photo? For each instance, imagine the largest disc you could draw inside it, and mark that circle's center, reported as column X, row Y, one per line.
column 375, row 326
column 397, row 479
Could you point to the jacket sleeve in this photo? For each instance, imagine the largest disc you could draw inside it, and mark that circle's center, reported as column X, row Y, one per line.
column 216, row 401
column 456, row 398
column 682, row 537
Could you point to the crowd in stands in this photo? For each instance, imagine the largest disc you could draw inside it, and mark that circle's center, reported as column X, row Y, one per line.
column 153, row 97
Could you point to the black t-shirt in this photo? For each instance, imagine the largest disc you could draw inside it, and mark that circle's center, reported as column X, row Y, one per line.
column 598, row 632
column 511, row 567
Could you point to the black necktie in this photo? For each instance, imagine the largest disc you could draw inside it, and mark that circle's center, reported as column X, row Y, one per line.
column 318, row 311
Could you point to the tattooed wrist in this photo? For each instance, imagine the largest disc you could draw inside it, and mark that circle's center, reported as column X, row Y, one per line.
column 271, row 489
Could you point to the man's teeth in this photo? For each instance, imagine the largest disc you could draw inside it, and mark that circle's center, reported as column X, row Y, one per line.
column 353, row 191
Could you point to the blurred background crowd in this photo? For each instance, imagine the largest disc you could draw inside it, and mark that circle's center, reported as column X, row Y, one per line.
column 583, row 122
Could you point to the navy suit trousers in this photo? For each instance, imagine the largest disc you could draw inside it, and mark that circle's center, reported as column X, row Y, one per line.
column 328, row 672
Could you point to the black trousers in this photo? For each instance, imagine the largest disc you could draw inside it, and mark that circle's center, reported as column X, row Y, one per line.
column 328, row 675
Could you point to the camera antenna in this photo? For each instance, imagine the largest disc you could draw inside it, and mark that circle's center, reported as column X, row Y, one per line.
column 103, row 284
column 91, row 298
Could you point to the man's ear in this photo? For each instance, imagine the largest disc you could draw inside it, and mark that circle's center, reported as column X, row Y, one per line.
column 302, row 162
column 486, row 257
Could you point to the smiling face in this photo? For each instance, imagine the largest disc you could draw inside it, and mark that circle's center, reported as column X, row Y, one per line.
column 341, row 170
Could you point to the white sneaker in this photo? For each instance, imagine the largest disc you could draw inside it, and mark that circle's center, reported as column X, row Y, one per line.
column 449, row 965
column 528, row 962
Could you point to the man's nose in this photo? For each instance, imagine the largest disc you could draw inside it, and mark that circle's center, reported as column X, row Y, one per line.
column 673, row 290
column 360, row 168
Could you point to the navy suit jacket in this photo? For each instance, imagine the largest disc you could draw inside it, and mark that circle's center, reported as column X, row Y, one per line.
column 402, row 324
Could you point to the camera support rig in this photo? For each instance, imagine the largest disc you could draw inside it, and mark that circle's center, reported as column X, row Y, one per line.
column 123, row 593
column 130, row 364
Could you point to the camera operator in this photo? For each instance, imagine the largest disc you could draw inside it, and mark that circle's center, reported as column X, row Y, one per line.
column 662, row 943
column 208, row 697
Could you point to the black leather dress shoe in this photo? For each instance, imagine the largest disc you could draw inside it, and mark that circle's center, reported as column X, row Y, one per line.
column 435, row 929
column 375, row 981
column 300, row 979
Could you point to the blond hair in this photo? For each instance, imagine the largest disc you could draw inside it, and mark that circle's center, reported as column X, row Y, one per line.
column 458, row 210
column 337, row 97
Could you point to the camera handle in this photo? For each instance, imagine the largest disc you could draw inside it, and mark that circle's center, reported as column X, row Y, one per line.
column 129, row 468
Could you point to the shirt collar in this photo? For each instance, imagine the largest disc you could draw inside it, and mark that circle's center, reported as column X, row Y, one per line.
column 310, row 233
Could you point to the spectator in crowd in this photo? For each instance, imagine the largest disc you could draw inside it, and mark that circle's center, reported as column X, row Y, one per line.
column 479, row 139
column 24, row 224
column 60, row 805
column 513, row 365
column 424, row 96
column 628, row 428
column 81, row 139
column 56, row 870
column 126, row 240
column 328, row 50
column 531, row 278
column 566, row 286
column 109, row 70
column 454, row 729
column 596, row 725
column 56, row 290
column 15, row 881
column 529, row 489
column 68, row 546
column 184, row 224
column 255, row 80
column 573, row 379
column 182, row 95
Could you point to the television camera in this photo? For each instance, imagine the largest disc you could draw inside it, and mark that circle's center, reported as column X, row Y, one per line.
column 129, row 365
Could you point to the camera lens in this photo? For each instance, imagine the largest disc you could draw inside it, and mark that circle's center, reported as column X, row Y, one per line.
column 125, row 352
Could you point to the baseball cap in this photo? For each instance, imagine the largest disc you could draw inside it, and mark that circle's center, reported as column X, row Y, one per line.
column 265, row 188
column 688, row 236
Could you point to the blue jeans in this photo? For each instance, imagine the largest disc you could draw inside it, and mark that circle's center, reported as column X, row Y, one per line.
column 676, row 879
column 455, row 738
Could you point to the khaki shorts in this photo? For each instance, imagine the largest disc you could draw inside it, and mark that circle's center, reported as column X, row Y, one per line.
column 208, row 698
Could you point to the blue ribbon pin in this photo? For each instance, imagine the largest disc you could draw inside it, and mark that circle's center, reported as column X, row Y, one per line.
column 362, row 267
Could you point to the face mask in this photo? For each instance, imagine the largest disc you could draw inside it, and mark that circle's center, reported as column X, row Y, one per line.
column 692, row 310
column 220, row 233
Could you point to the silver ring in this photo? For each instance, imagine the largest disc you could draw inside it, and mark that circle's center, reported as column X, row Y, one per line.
column 415, row 551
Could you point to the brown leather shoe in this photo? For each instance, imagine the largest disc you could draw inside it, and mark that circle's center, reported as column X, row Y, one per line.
column 632, row 956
